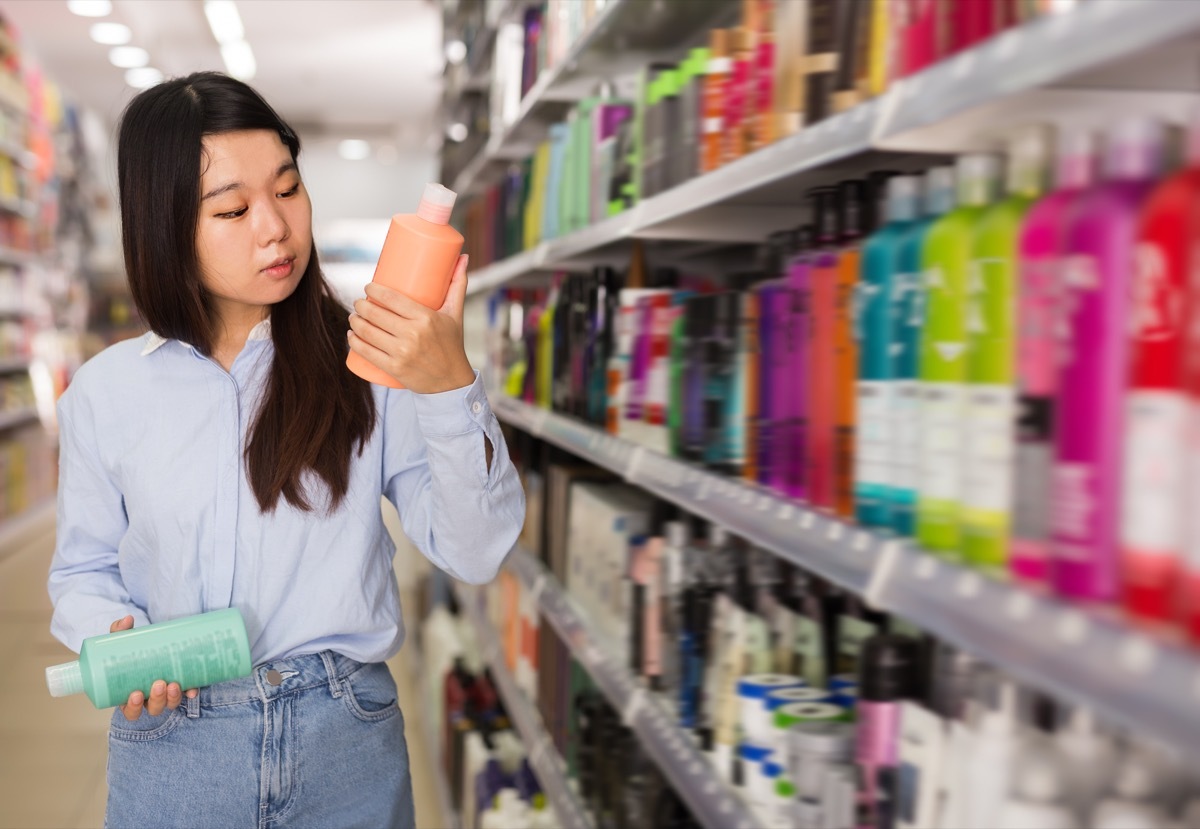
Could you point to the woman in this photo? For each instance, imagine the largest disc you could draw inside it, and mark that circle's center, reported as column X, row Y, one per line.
column 230, row 459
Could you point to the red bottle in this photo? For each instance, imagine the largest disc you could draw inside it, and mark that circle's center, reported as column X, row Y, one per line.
column 1155, row 502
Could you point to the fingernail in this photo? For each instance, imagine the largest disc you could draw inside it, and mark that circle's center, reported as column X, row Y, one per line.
column 173, row 690
column 159, row 687
column 136, row 698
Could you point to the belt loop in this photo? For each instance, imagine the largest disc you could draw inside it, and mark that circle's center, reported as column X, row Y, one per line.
column 335, row 686
column 193, row 706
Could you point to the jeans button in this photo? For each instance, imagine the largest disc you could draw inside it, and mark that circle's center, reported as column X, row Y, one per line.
column 274, row 677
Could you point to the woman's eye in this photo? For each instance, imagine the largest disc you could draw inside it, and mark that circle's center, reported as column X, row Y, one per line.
column 232, row 214
column 288, row 193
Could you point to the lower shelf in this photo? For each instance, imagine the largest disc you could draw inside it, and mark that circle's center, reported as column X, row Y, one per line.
column 1090, row 658
column 545, row 760
column 433, row 743
column 713, row 802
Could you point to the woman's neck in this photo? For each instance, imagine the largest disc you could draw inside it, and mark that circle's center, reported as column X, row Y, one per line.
column 233, row 329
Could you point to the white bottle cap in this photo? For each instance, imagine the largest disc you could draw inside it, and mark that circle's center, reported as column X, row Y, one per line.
column 903, row 198
column 64, row 680
column 1134, row 150
column 977, row 175
column 677, row 534
column 436, row 203
column 939, row 191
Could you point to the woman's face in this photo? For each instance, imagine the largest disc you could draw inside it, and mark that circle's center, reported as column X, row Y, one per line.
column 254, row 234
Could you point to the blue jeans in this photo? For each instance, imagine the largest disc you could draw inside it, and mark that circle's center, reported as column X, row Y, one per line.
column 322, row 748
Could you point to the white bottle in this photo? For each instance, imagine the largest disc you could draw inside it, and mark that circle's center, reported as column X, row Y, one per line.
column 1090, row 760
column 995, row 742
column 1134, row 802
column 1039, row 787
column 542, row 815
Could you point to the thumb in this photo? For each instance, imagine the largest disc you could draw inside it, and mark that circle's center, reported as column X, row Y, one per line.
column 124, row 623
column 456, row 296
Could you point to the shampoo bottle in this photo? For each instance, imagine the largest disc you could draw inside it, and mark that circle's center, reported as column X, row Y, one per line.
column 418, row 259
column 907, row 320
column 991, row 346
column 195, row 652
column 821, row 375
column 877, row 294
column 1038, row 306
column 1156, row 492
column 943, row 369
column 1100, row 238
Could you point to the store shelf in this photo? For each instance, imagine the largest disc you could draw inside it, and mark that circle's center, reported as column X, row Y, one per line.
column 1087, row 657
column 544, row 758
column 623, row 35
column 9, row 420
column 1114, row 47
column 433, row 742
column 715, row 804
column 37, row 519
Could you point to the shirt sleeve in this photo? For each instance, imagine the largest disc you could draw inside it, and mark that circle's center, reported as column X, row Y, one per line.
column 85, row 582
column 462, row 516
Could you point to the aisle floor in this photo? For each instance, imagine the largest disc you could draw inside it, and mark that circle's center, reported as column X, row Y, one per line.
column 53, row 751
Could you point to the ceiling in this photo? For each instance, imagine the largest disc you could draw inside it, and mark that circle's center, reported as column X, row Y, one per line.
column 337, row 68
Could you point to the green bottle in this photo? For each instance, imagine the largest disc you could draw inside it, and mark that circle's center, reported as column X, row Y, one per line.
column 195, row 652
column 990, row 448
column 945, row 263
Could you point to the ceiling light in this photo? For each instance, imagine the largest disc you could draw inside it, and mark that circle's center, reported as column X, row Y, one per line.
column 128, row 57
column 354, row 149
column 143, row 77
column 239, row 60
column 111, row 34
column 456, row 51
column 457, row 132
column 224, row 20
column 90, row 8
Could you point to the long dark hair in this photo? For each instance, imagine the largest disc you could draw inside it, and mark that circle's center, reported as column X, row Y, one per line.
column 314, row 411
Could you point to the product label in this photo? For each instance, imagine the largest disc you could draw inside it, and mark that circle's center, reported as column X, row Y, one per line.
column 1074, row 509
column 1191, row 449
column 987, row 482
column 852, row 633
column 1155, row 475
column 810, row 651
column 906, row 429
column 942, row 406
column 873, row 462
column 1033, row 462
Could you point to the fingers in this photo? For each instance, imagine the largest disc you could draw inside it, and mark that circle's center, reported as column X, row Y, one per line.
column 380, row 316
column 373, row 355
column 133, row 708
column 396, row 302
column 124, row 623
column 192, row 693
column 372, row 334
column 174, row 696
column 456, row 297
column 158, row 698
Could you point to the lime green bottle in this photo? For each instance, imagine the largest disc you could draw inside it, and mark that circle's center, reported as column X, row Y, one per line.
column 195, row 652
column 990, row 448
column 945, row 263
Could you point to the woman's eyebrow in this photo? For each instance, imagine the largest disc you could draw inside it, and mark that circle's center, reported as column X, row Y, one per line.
column 286, row 167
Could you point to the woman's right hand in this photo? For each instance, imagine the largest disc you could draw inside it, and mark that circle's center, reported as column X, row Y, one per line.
column 162, row 696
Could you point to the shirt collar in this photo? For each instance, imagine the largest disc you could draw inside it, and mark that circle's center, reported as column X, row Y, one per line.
column 154, row 341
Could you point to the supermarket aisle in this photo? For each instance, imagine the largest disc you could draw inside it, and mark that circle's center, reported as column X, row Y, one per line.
column 53, row 753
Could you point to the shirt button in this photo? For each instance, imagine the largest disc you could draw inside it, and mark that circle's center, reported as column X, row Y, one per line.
column 477, row 407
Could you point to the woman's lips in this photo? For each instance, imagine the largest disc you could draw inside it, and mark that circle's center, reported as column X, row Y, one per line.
column 281, row 269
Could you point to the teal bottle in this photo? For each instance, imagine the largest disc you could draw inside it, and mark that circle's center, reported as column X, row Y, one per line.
column 876, row 387
column 195, row 652
column 907, row 319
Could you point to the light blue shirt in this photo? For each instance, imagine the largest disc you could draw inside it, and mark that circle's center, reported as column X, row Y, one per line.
column 156, row 517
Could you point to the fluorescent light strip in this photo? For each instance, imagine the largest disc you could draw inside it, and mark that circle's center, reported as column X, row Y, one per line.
column 239, row 60
column 224, row 20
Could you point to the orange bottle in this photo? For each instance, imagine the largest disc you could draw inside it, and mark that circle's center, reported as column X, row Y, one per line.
column 716, row 88
column 418, row 259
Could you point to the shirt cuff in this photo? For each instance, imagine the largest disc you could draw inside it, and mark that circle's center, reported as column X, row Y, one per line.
column 454, row 412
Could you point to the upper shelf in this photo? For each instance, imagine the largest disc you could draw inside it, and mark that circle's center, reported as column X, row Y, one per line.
column 1072, row 69
column 1084, row 657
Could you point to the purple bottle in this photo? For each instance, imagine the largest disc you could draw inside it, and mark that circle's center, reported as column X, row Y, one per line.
column 793, row 383
column 1098, row 248
column 770, row 296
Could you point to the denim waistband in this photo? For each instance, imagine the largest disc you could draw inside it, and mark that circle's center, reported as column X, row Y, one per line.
column 295, row 673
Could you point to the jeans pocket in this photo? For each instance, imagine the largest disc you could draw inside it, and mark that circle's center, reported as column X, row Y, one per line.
column 370, row 693
column 144, row 727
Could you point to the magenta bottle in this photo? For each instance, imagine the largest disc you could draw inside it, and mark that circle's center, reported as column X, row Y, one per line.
column 887, row 677
column 1098, row 243
column 793, row 384
column 1039, row 258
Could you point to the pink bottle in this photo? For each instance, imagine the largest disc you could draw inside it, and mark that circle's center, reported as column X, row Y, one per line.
column 1040, row 252
column 418, row 259
column 1099, row 240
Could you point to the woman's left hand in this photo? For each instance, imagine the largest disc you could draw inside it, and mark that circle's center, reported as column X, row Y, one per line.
column 421, row 347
